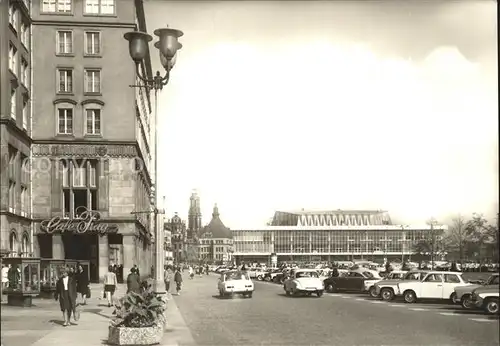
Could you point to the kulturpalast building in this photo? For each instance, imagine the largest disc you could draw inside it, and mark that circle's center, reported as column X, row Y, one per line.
column 328, row 236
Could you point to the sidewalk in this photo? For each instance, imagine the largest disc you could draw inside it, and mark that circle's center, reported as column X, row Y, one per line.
column 42, row 325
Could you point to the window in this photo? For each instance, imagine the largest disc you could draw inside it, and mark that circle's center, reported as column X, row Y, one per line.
column 433, row 278
column 451, row 278
column 12, row 196
column 65, row 121
column 106, row 7
column 92, row 81
column 25, row 114
column 24, row 72
column 25, row 169
column 25, row 244
column 25, row 34
column 65, row 77
column 82, row 192
column 13, row 242
column 24, row 195
column 13, row 103
column 12, row 58
column 93, row 121
column 13, row 15
column 92, row 43
column 65, row 42
column 59, row 6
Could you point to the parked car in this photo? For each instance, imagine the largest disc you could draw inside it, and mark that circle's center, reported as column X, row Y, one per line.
column 281, row 277
column 271, row 274
column 463, row 293
column 394, row 275
column 487, row 299
column 304, row 281
column 434, row 285
column 235, row 282
column 385, row 288
column 256, row 273
column 351, row 281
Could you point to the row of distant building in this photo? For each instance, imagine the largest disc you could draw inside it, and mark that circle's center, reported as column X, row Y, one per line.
column 293, row 236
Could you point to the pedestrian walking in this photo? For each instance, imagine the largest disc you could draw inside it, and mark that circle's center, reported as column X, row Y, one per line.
column 133, row 282
column 168, row 276
column 191, row 273
column 206, row 269
column 110, row 283
column 66, row 294
column 82, row 285
column 178, row 280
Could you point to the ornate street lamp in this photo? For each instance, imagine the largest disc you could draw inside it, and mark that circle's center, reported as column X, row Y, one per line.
column 167, row 45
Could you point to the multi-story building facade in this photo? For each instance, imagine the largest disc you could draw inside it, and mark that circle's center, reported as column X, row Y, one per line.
column 15, row 128
column 91, row 135
column 178, row 234
column 216, row 241
column 329, row 236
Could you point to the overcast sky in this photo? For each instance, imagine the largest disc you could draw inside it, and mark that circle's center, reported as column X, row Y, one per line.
column 277, row 105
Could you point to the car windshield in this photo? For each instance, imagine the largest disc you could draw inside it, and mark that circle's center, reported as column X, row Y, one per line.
column 494, row 280
column 237, row 276
column 306, row 275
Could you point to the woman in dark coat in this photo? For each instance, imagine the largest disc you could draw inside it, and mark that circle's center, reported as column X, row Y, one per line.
column 66, row 294
column 133, row 282
column 82, row 284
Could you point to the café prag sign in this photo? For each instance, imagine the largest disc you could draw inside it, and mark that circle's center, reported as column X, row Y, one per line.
column 87, row 221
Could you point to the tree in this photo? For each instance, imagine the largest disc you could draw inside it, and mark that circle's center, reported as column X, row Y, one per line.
column 485, row 234
column 430, row 243
column 458, row 236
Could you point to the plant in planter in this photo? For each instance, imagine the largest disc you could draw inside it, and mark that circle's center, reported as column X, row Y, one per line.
column 140, row 319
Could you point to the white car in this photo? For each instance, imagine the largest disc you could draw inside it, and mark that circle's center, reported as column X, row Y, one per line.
column 256, row 273
column 370, row 284
column 235, row 282
column 304, row 281
column 434, row 285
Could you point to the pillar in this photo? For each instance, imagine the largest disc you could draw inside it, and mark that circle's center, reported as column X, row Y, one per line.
column 57, row 247
column 103, row 253
column 129, row 253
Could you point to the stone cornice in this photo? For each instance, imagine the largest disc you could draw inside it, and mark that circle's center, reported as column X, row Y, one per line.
column 84, row 149
column 94, row 24
column 11, row 124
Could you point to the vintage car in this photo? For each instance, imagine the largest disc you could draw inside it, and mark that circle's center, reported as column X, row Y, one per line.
column 256, row 273
column 385, row 288
column 350, row 281
column 394, row 275
column 486, row 298
column 271, row 273
column 235, row 282
column 304, row 281
column 434, row 285
column 463, row 293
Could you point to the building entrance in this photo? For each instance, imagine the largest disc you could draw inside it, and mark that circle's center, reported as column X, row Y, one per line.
column 83, row 247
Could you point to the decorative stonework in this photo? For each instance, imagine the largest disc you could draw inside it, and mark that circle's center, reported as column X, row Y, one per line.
column 135, row 336
column 84, row 150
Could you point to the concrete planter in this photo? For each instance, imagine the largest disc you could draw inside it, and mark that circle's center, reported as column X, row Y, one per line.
column 135, row 336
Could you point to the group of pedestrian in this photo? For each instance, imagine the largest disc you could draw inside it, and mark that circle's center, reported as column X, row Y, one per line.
column 71, row 285
column 175, row 274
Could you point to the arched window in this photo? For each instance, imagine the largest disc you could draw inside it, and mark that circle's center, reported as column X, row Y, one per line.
column 13, row 243
column 25, row 245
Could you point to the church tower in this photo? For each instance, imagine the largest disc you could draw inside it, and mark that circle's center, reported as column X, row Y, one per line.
column 194, row 214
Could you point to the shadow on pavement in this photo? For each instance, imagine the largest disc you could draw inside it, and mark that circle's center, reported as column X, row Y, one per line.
column 59, row 322
column 462, row 311
column 216, row 296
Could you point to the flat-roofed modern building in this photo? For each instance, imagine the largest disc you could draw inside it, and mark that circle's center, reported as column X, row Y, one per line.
column 329, row 236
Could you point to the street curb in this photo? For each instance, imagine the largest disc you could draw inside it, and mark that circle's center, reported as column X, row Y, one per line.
column 177, row 332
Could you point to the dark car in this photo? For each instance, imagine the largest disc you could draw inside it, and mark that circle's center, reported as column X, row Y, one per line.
column 351, row 281
column 270, row 274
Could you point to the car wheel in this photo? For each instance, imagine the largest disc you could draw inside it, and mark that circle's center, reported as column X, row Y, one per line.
column 250, row 295
column 259, row 277
column 491, row 306
column 466, row 302
column 319, row 293
column 387, row 294
column 453, row 297
column 410, row 297
column 308, row 294
column 330, row 288
column 373, row 292
column 267, row 278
